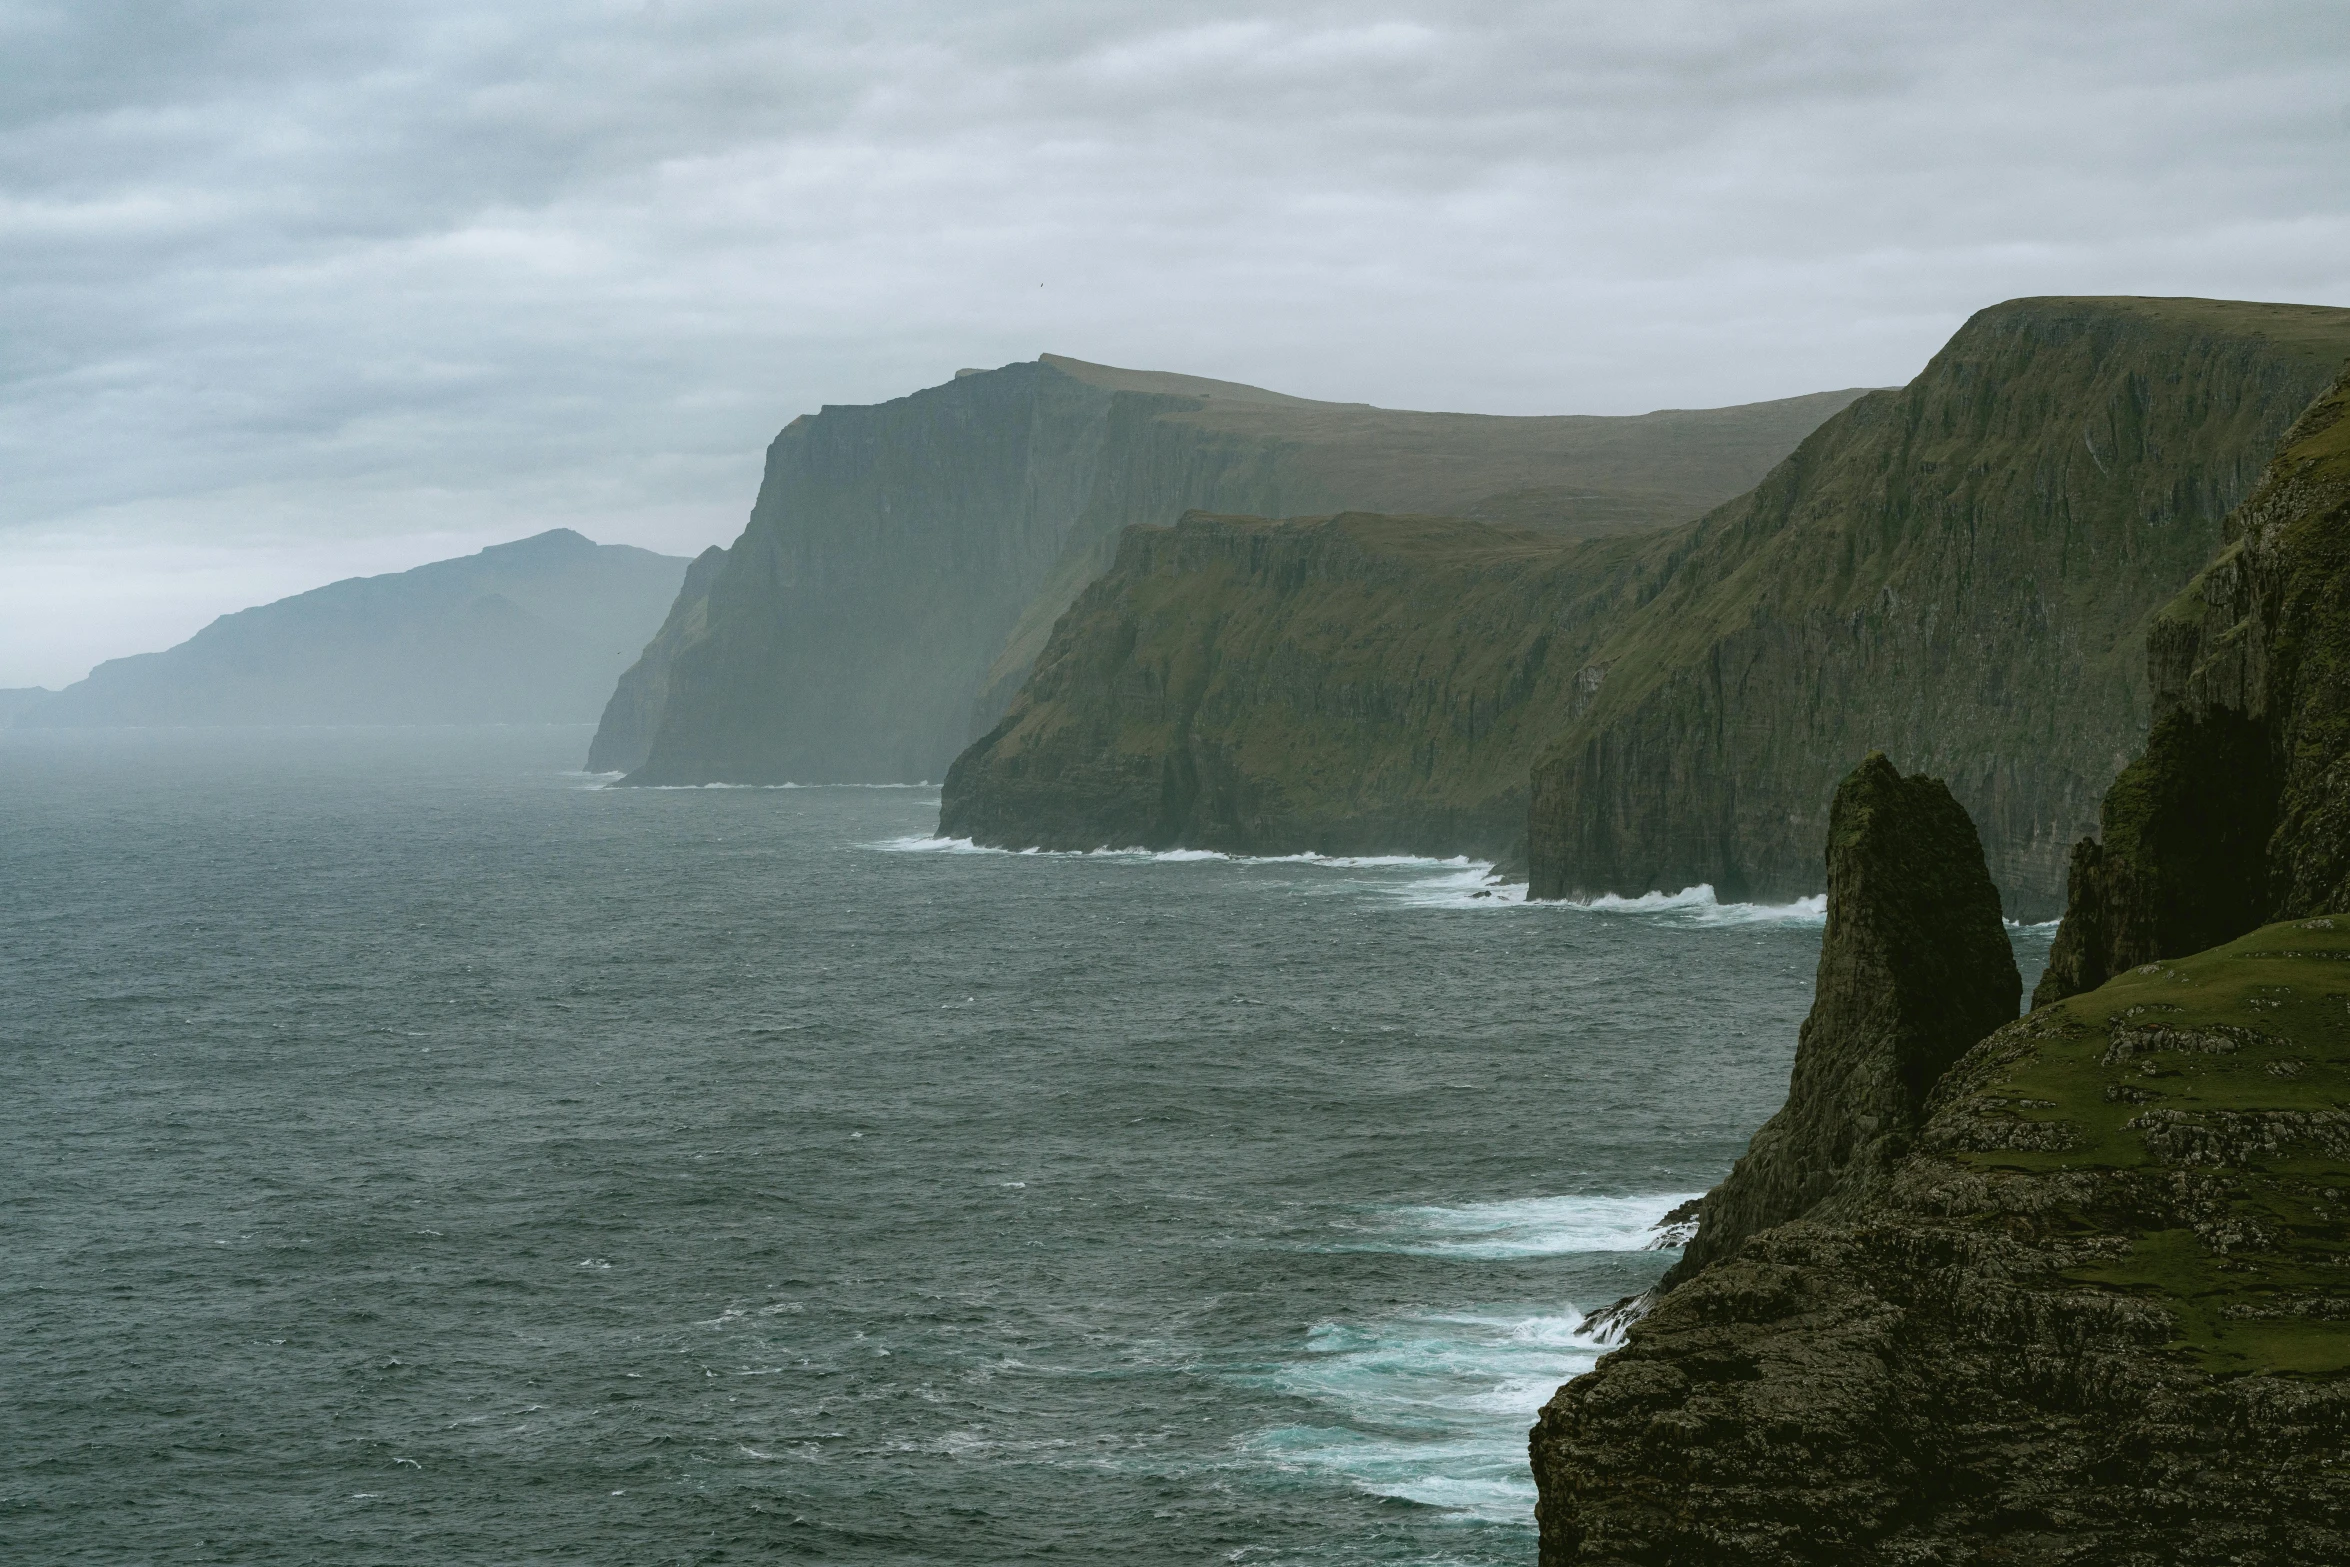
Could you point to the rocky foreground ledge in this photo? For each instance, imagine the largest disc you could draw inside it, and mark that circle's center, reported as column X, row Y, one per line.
column 2100, row 1314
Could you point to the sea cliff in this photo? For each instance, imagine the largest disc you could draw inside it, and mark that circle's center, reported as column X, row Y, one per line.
column 906, row 561
column 2084, row 1303
column 2239, row 809
column 1960, row 572
column 1350, row 684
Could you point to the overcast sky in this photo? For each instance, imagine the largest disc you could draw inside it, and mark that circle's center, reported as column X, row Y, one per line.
column 295, row 291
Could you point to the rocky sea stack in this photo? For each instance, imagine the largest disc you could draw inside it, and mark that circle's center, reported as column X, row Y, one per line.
column 1914, row 968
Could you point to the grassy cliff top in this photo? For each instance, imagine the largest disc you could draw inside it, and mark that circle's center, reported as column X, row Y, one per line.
column 2314, row 332
column 2197, row 1114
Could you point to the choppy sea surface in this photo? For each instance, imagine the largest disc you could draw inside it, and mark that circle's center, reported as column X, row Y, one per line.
column 412, row 1150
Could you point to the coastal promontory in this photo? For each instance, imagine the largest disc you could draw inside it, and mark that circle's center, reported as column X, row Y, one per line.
column 906, row 561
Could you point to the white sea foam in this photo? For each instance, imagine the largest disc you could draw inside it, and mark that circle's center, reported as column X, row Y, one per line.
column 920, row 844
column 689, row 788
column 1522, row 1227
column 1433, row 1406
column 1465, row 883
column 1698, row 906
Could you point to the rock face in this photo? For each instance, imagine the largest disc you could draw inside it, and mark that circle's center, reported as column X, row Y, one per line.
column 16, row 701
column 906, row 561
column 1350, row 684
column 633, row 715
column 2095, row 1316
column 1959, row 572
column 529, row 632
column 1915, row 967
column 2095, row 1313
column 2239, row 809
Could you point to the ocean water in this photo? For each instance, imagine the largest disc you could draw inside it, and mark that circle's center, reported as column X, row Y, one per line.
column 415, row 1151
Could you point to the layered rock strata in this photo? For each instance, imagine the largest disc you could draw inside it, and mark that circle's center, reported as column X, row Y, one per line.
column 1350, row 684
column 1915, row 967
column 1959, row 572
column 906, row 561
column 2239, row 809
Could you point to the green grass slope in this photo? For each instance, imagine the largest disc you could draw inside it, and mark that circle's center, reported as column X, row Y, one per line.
column 2199, row 1110
column 1349, row 684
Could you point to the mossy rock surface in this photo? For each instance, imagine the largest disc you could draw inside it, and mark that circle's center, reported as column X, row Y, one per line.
column 2225, row 1078
column 2099, row 1313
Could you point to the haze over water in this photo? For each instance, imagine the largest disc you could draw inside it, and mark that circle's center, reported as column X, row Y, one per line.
column 415, row 1151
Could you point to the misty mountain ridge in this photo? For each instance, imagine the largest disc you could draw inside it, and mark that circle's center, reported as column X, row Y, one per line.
column 534, row 631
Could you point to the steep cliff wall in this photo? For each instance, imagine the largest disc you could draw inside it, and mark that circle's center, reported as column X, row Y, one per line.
column 1350, row 684
column 2239, row 809
column 624, row 736
column 1959, row 573
column 2096, row 1316
column 905, row 562
column 2094, row 1313
column 1914, row 968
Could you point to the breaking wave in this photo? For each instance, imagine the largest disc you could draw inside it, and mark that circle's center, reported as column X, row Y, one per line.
column 1431, row 1406
column 1522, row 1227
column 918, row 844
column 1698, row 906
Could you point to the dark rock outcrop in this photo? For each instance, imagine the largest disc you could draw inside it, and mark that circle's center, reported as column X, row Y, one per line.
column 2238, row 811
column 1915, row 967
column 906, row 562
column 1348, row 684
column 2095, row 1313
column 530, row 632
column 1959, row 572
column 2095, row 1316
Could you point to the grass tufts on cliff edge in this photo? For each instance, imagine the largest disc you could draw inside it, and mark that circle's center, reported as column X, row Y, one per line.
column 2202, row 1108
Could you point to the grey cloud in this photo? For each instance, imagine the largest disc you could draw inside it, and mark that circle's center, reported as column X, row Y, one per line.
column 282, row 274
